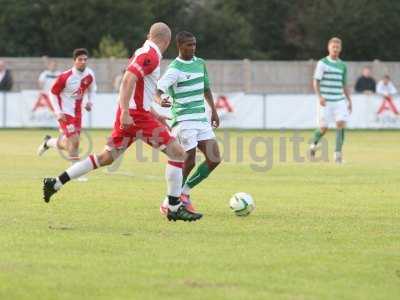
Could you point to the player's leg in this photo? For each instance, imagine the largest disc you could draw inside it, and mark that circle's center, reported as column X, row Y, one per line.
column 340, row 127
column 341, row 116
column 60, row 143
column 48, row 142
column 65, row 141
column 173, row 171
column 189, row 163
column 71, row 145
column 212, row 155
column 70, row 140
column 117, row 144
column 52, row 185
column 207, row 144
column 324, row 116
column 173, row 174
column 199, row 136
column 187, row 138
column 318, row 134
column 157, row 135
column 43, row 147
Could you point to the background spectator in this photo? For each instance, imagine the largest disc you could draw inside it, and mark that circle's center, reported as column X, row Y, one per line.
column 6, row 80
column 47, row 77
column 365, row 83
column 386, row 87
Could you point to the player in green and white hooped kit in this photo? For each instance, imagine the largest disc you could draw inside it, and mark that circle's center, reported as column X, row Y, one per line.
column 330, row 85
column 185, row 86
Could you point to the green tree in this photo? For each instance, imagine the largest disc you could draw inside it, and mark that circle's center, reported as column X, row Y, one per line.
column 266, row 20
column 55, row 28
column 220, row 30
column 83, row 24
column 368, row 28
column 21, row 30
column 108, row 47
column 234, row 29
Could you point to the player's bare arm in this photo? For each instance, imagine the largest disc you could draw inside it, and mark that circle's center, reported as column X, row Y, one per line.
column 89, row 103
column 161, row 118
column 57, row 109
column 346, row 92
column 210, row 100
column 317, row 90
column 125, row 94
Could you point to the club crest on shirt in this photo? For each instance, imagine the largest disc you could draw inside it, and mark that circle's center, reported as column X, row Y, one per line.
column 86, row 81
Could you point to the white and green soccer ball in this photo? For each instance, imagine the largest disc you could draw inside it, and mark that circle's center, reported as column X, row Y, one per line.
column 242, row 204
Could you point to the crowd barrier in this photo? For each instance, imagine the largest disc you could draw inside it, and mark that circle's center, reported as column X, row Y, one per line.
column 27, row 109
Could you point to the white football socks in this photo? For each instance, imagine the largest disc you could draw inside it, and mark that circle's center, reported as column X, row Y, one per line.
column 52, row 143
column 83, row 167
column 173, row 176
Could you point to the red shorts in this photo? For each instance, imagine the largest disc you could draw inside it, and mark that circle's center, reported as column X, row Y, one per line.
column 71, row 126
column 146, row 128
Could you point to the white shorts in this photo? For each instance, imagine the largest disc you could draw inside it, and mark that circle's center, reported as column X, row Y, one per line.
column 333, row 111
column 189, row 133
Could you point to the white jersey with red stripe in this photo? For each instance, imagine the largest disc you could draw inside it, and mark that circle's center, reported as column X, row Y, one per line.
column 146, row 66
column 70, row 87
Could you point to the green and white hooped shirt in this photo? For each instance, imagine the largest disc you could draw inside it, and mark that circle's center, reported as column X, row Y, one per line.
column 332, row 77
column 185, row 82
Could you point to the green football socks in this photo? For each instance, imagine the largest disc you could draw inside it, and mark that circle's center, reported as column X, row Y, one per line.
column 317, row 136
column 199, row 175
column 339, row 139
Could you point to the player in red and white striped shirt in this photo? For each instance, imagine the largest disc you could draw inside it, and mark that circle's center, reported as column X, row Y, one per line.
column 67, row 96
column 135, row 120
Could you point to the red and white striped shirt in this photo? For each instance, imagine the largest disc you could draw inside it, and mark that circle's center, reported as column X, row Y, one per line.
column 69, row 89
column 146, row 66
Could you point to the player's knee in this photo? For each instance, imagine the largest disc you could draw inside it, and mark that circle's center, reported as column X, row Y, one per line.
column 323, row 130
column 73, row 143
column 190, row 162
column 181, row 154
column 212, row 164
column 341, row 124
column 105, row 159
column 176, row 152
column 213, row 158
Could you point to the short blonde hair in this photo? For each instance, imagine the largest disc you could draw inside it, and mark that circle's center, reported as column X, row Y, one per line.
column 335, row 40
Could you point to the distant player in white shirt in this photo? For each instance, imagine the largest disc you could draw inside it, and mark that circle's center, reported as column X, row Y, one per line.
column 46, row 81
column 330, row 85
column 66, row 96
column 48, row 77
column 387, row 89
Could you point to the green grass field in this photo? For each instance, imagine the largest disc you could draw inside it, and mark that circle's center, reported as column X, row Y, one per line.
column 320, row 231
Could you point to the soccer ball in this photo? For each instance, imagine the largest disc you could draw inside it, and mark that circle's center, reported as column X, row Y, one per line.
column 242, row 204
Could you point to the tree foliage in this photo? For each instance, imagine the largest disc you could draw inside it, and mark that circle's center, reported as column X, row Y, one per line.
column 235, row 29
column 108, row 47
